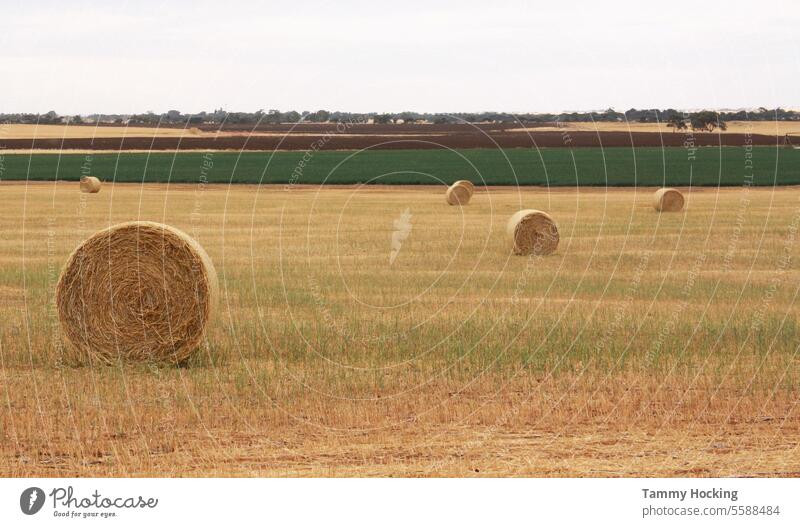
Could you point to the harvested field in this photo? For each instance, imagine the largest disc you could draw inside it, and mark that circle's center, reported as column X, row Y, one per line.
column 646, row 345
column 91, row 131
column 773, row 128
column 78, row 131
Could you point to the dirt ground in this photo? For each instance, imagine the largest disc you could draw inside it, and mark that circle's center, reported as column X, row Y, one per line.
column 329, row 136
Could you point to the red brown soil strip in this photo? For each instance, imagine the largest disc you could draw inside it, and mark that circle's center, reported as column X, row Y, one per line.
column 432, row 140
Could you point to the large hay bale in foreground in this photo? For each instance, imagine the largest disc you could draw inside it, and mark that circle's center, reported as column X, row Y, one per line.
column 668, row 200
column 532, row 232
column 90, row 184
column 459, row 193
column 137, row 291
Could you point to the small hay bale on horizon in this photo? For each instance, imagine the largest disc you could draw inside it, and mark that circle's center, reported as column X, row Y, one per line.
column 90, row 184
column 136, row 292
column 668, row 200
column 532, row 232
column 459, row 193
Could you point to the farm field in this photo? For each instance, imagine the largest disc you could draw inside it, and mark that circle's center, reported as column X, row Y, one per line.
column 776, row 128
column 647, row 345
column 356, row 136
column 72, row 131
column 729, row 166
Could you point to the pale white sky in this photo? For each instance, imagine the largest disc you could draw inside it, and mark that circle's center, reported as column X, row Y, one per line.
column 123, row 57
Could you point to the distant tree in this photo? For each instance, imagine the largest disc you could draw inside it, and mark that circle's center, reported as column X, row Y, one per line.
column 609, row 115
column 707, row 121
column 408, row 117
column 676, row 122
column 321, row 116
column 291, row 117
column 49, row 117
column 273, row 117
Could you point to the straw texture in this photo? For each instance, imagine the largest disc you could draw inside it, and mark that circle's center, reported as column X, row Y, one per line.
column 469, row 184
column 459, row 193
column 137, row 291
column 668, row 200
column 532, row 232
column 90, row 185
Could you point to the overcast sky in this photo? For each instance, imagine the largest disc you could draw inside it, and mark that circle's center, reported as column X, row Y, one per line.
column 118, row 57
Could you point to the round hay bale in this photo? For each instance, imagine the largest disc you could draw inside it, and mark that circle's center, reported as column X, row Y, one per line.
column 468, row 184
column 90, row 184
column 532, row 232
column 668, row 200
column 459, row 193
column 137, row 291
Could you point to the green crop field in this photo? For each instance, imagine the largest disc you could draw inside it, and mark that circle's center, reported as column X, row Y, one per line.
column 560, row 167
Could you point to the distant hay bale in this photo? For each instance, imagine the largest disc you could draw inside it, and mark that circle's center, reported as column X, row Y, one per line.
column 668, row 200
column 459, row 193
column 90, row 184
column 468, row 184
column 532, row 232
column 137, row 291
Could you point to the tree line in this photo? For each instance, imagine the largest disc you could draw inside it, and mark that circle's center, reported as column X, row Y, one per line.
column 700, row 120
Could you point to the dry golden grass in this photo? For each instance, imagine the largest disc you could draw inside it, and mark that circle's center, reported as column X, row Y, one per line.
column 57, row 131
column 648, row 344
column 779, row 128
column 60, row 131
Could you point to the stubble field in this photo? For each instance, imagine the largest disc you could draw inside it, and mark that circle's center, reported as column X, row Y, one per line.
column 657, row 345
